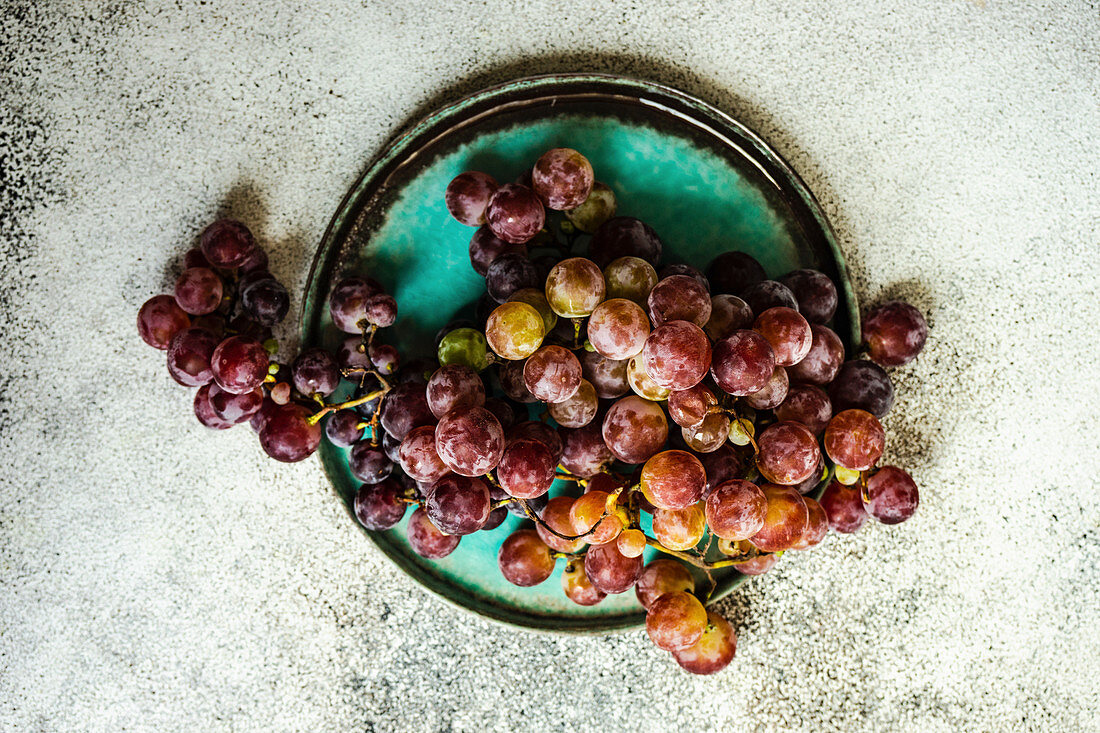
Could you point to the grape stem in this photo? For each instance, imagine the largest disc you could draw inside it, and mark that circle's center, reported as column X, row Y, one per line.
column 699, row 562
column 316, row 417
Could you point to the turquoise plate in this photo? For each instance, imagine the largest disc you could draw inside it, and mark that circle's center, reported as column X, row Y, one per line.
column 702, row 180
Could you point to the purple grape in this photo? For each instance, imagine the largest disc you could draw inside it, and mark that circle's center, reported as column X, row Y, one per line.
column 608, row 376
column 342, row 428
column 815, row 293
column 385, row 358
column 266, row 300
column 624, row 236
column 584, row 452
column 733, row 272
column 199, row 291
column 502, row 411
column 509, row 273
column 470, row 441
column 538, row 431
column 159, row 320
column 742, row 363
column 405, row 407
column 348, row 302
column 515, row 213
column 235, row 408
column 862, row 385
column 454, row 386
column 822, row 361
column 468, row 195
column 768, row 294
column 679, row 298
column 314, row 372
column 496, row 518
column 687, row 270
column 204, row 411
column 255, row 262
column 562, row 178
column 287, row 435
column 227, row 244
column 486, row 247
column 239, row 364
column 189, row 354
column 895, row 333
column 728, row 313
column 807, row 404
column 634, row 429
column 379, row 506
column 892, row 495
column 195, row 258
column 368, row 464
column 381, row 310
column 844, row 507
column 458, row 505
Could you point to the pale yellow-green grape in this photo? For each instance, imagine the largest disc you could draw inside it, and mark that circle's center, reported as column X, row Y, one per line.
column 641, row 383
column 537, row 300
column 742, row 431
column 631, row 278
column 596, row 209
column 514, row 330
column 575, row 287
column 846, row 476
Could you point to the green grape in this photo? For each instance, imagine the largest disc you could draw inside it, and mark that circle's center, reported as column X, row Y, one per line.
column 596, row 209
column 514, row 330
column 465, row 346
column 631, row 278
column 575, row 287
column 537, row 300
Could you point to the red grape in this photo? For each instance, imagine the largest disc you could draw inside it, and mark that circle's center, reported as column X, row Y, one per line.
column 314, row 372
column 381, row 310
column 526, row 469
column 524, row 559
column 618, row 328
column 728, row 313
column 287, row 435
column 895, row 333
column 379, row 506
column 189, row 355
column 578, row 588
column 634, row 429
column 673, row 479
column 552, row 374
column 204, row 411
column 624, row 236
column 426, row 540
column 515, row 213
column 787, row 453
column 610, row 570
column 227, row 244
column 854, row 439
column 862, row 385
column 405, row 407
column 822, row 361
column 733, row 272
column 892, row 495
column 562, row 178
column 757, row 565
column 348, row 302
column 235, row 408
column 677, row 355
column 721, row 465
column 772, row 394
column 742, row 363
column 454, row 386
column 631, row 542
column 239, row 364
column 369, row 464
column 539, row 431
column 608, row 376
column 788, row 333
column 735, row 509
column 662, row 575
column 418, row 456
column 511, row 382
column 808, row 405
column 159, row 319
column 587, row 517
column 680, row 529
column 468, row 195
column 709, row 435
column 575, row 287
column 556, row 514
column 768, row 294
column 817, row 526
column 815, row 293
column 470, row 440
column 676, row 621
column 714, row 650
column 679, row 298
column 689, row 407
column 584, row 452
column 784, row 521
column 844, row 507
column 578, row 410
column 458, row 505
column 198, row 291
column 486, row 247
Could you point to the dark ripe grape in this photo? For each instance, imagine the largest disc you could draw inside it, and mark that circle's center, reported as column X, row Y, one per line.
column 862, row 385
column 369, row 465
column 502, row 411
column 618, row 328
column 631, row 543
column 470, row 440
column 556, row 515
column 552, row 374
column 575, row 287
column 195, row 258
column 784, row 521
column 813, row 480
column 676, row 355
column 610, row 570
column 892, row 495
column 255, row 262
column 486, row 247
column 631, row 278
column 315, row 373
column 536, row 298
column 844, row 507
column 815, row 293
column 417, row 370
column 239, row 364
column 709, row 435
column 608, row 376
column 687, row 270
column 758, row 565
column 768, row 294
column 679, row 298
column 235, row 408
column 689, row 407
column 524, row 559
column 426, row 540
column 596, row 209
column 787, row 453
column 817, row 526
column 367, row 410
column 515, row 213
column 526, row 469
column 159, row 319
column 588, row 518
column 642, row 384
column 721, row 465
column 728, row 313
column 342, row 428
column 468, row 195
column 578, row 410
column 895, row 333
column 541, row 432
column 578, row 588
column 634, row 429
column 676, row 621
column 418, row 456
column 544, row 263
column 562, row 178
column 808, row 405
column 458, row 505
column 249, row 279
column 788, row 333
column 405, row 407
column 772, row 394
column 348, row 302
column 227, row 244
column 714, row 650
column 732, row 272
column 287, row 435
column 584, row 452
column 735, row 509
column 673, row 479
column 509, row 273
column 391, row 446
column 854, row 439
column 662, row 576
column 679, row 529
column 379, row 506
column 198, row 291
column 496, row 518
column 258, row 420
column 822, row 361
column 385, row 358
column 624, row 236
column 266, row 301
column 204, row 411
column 511, row 381
column 514, row 330
column 742, row 363
column 454, row 386
column 189, row 355
column 381, row 310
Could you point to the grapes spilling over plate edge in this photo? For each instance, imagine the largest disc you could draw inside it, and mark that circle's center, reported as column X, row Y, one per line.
column 576, row 360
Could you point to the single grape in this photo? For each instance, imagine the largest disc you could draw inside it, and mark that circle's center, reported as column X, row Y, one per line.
column 464, row 346
column 892, row 495
column 514, row 330
column 624, row 236
column 524, row 559
column 787, row 453
column 515, row 213
column 784, row 521
column 508, row 273
column 689, row 407
column 618, row 328
column 769, row 294
column 676, row 621
column 817, row 526
column 379, row 506
column 384, row 357
column 815, row 293
column 788, row 333
column 844, row 507
column 584, row 452
column 735, row 509
column 348, row 355
column 159, row 319
column 822, row 361
column 526, row 469
column 709, row 435
column 575, row 287
column 391, row 446
column 235, row 408
column 680, row 529
column 255, row 262
column 562, row 178
column 578, row 588
column 511, row 382
column 772, row 394
column 342, row 428
column 721, row 465
column 732, row 272
column 454, row 386
column 381, row 310
column 227, row 244
column 589, row 518
column 642, row 384
column 596, row 209
column 631, row 278
column 608, row 376
column 728, row 313
column 679, row 298
column 266, row 301
column 552, row 374
column 470, row 441
column 673, row 479
column 610, row 570
column 846, row 476
column 808, row 405
column 676, row 355
column 631, row 543
column 503, row 411
column 862, row 385
column 634, row 429
column 556, row 515
column 468, row 195
column 458, row 505
column 195, row 258
column 198, row 291
column 539, row 431
column 405, row 407
column 204, row 411
column 189, row 355
column 347, row 304
column 742, row 363
column 545, row 262
column 418, row 371
column 368, row 464
column 895, row 333
column 660, row 577
column 486, row 247
column 419, row 458
column 855, row 440
column 287, row 434
column 578, row 410
column 681, row 269
column 315, row 373
column 426, row 540
column 714, row 650
column 536, row 298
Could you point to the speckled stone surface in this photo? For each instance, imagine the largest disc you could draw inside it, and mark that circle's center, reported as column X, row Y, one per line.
column 157, row 576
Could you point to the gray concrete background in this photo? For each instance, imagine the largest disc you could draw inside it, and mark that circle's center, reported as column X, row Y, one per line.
column 157, row 576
